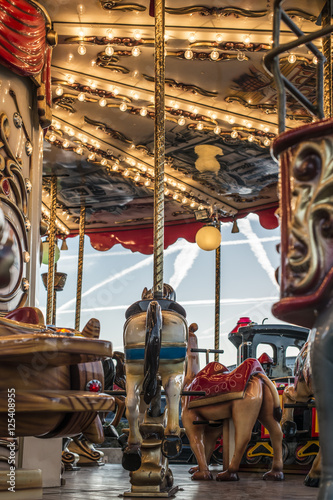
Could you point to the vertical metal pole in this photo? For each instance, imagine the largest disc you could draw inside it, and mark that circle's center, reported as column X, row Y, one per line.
column 327, row 51
column 80, row 267
column 217, row 295
column 52, row 230
column 159, row 148
column 54, row 313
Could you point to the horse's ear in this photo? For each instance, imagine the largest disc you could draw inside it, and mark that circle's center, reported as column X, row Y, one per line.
column 144, row 293
column 193, row 327
column 92, row 328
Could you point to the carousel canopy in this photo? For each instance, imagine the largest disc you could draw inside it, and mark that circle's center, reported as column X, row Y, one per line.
column 220, row 114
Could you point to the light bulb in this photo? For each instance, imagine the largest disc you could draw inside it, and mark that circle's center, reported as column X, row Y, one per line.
column 82, row 49
column 192, row 37
column 59, row 90
column 250, row 138
column 217, row 130
column 234, row 134
column 81, row 33
column 109, row 50
column 116, row 91
column 240, row 56
column 81, row 97
column 123, row 106
column 137, row 35
column 231, row 120
column 70, row 79
column 247, row 39
column 267, row 142
column 195, row 111
column 102, row 102
column 136, row 96
column 292, row 58
column 65, row 143
column 188, row 54
column 214, row 55
column 200, row 126
column 219, row 37
column 315, row 60
column 104, row 161
column 126, row 173
column 79, row 150
column 52, row 137
column 143, row 111
column 136, row 51
column 109, row 34
column 248, row 124
column 115, row 167
column 181, row 121
column 92, row 156
column 137, row 178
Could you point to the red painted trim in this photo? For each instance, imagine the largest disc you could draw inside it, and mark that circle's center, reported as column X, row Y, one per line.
column 22, row 37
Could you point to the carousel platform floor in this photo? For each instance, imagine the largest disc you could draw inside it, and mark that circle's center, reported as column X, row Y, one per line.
column 111, row 480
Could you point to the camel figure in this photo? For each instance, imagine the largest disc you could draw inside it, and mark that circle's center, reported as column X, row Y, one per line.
column 300, row 392
column 258, row 400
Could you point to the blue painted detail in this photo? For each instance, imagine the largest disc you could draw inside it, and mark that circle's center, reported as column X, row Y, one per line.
column 166, row 353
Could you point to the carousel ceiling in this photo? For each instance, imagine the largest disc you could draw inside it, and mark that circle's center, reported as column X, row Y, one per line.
column 220, row 108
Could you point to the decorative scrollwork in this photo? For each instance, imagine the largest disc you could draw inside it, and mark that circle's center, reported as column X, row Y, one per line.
column 90, row 91
column 204, row 56
column 234, row 11
column 108, row 130
column 11, row 170
column 215, row 11
column 65, row 103
column 104, row 40
column 106, row 62
column 248, row 47
column 116, row 5
column 194, row 89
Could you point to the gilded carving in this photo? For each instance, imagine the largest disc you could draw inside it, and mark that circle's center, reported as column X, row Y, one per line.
column 311, row 223
column 117, row 5
column 184, row 86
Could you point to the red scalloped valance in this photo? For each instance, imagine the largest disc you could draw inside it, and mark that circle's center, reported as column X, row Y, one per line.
column 141, row 239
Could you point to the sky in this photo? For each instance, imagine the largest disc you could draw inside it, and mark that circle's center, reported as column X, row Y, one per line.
column 114, row 279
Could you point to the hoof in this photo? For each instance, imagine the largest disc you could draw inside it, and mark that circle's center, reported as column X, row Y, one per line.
column 202, row 476
column 289, row 429
column 313, row 482
column 273, row 476
column 131, row 459
column 227, row 476
column 171, row 446
column 192, row 470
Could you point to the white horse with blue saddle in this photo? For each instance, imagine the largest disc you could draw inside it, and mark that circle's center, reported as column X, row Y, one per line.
column 155, row 342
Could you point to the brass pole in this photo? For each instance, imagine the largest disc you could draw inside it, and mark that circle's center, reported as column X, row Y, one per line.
column 327, row 51
column 54, row 314
column 217, row 295
column 52, row 230
column 80, row 267
column 159, row 136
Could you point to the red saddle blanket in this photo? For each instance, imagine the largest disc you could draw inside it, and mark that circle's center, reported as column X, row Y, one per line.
column 222, row 385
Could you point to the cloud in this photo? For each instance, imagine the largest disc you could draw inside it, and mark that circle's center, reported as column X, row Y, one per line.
column 258, row 249
column 183, row 263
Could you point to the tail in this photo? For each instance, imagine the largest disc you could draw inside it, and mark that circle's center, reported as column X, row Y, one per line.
column 152, row 350
column 277, row 412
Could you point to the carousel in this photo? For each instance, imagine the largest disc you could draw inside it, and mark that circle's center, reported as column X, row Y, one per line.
column 136, row 124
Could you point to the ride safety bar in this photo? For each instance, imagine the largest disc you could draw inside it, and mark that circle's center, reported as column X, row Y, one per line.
column 207, row 351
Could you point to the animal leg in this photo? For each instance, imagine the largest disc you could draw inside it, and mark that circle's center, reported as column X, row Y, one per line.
column 132, row 455
column 211, row 434
column 276, row 435
column 196, row 437
column 172, row 444
column 312, row 479
column 244, row 414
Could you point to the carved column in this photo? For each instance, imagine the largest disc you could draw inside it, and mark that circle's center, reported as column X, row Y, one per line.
column 327, row 51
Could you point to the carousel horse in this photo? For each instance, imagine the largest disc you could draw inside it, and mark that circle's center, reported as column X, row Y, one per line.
column 300, row 392
column 245, row 395
column 155, row 341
